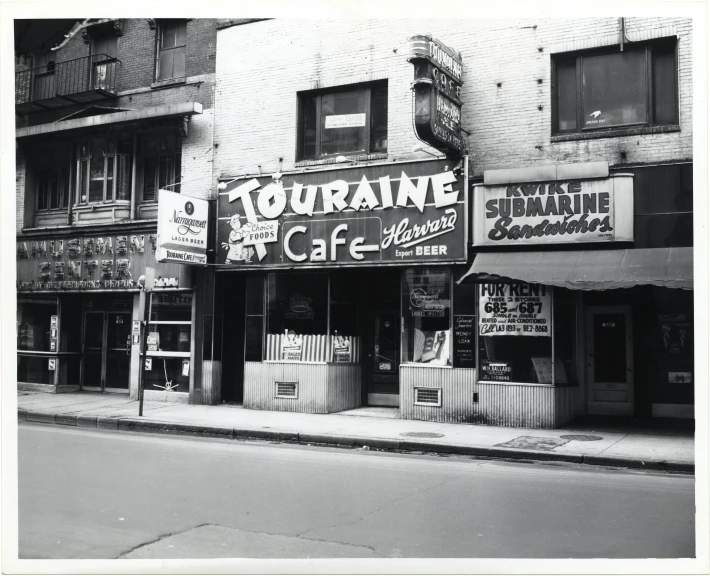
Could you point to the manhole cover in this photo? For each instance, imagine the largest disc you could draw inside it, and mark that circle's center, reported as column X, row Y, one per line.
column 581, row 437
column 421, row 435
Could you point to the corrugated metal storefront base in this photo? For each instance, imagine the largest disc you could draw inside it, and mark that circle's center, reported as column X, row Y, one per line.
column 457, row 388
column 513, row 405
column 527, row 406
column 322, row 388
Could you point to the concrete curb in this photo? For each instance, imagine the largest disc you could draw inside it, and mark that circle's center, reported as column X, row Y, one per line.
column 493, row 453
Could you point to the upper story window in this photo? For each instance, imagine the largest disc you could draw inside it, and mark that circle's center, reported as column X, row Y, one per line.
column 162, row 164
column 103, row 61
column 348, row 120
column 599, row 90
column 172, row 37
column 104, row 173
column 53, row 187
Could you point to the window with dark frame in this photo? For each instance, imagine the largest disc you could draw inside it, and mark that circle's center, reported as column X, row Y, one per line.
column 601, row 90
column 347, row 120
column 53, row 188
column 172, row 40
column 162, row 165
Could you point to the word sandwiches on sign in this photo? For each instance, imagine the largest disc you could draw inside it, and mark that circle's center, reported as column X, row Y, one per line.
column 182, row 229
column 557, row 212
column 378, row 218
column 437, row 84
column 515, row 309
column 96, row 262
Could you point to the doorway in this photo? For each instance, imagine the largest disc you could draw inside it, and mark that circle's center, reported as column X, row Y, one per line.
column 233, row 296
column 610, row 364
column 106, row 351
column 380, row 301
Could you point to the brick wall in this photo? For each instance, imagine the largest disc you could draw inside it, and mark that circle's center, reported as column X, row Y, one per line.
column 256, row 120
column 20, row 170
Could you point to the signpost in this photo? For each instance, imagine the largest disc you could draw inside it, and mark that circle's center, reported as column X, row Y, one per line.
column 144, row 307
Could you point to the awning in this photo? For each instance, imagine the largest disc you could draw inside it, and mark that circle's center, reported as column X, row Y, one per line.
column 148, row 113
column 590, row 269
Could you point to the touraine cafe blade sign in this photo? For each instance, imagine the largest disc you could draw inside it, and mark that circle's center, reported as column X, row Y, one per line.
column 574, row 211
column 182, row 229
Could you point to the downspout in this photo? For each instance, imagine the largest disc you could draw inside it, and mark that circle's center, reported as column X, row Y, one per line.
column 622, row 25
column 133, row 176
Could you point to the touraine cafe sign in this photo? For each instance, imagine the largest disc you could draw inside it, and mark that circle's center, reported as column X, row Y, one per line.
column 182, row 229
column 559, row 212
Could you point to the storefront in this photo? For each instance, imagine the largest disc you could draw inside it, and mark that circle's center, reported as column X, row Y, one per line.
column 607, row 330
column 78, row 314
column 338, row 289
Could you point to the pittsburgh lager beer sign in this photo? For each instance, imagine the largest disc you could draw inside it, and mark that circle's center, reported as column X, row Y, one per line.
column 554, row 212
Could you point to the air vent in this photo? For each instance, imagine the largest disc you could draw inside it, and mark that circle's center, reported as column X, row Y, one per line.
column 427, row 396
column 286, row 389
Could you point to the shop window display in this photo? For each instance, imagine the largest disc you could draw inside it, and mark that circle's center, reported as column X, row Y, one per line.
column 33, row 335
column 426, row 316
column 169, row 343
column 515, row 333
column 297, row 317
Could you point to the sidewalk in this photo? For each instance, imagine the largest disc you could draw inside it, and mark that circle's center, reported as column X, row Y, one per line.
column 587, row 444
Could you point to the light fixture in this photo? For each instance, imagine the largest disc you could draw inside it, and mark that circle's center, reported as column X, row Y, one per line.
column 341, row 159
column 423, row 148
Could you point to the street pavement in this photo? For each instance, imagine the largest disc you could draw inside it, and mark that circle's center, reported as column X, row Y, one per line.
column 611, row 445
column 89, row 493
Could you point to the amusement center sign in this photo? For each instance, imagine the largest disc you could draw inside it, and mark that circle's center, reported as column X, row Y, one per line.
column 388, row 214
column 576, row 211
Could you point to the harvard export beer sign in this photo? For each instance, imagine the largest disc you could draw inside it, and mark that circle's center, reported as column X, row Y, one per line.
column 408, row 213
column 554, row 212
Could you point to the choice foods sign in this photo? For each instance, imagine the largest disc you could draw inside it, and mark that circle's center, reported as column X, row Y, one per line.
column 554, row 212
column 406, row 213
column 182, row 228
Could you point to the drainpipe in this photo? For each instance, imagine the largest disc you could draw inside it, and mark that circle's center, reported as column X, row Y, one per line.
column 133, row 176
column 622, row 25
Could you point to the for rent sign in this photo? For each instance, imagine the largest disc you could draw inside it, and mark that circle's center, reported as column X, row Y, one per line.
column 515, row 309
column 406, row 213
column 554, row 212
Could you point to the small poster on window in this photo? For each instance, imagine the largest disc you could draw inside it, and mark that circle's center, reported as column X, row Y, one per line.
column 344, row 121
column 291, row 346
column 342, row 349
column 496, row 371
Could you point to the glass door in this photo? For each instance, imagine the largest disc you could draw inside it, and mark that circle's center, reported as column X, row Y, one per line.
column 118, row 360
column 383, row 388
column 106, row 360
column 93, row 374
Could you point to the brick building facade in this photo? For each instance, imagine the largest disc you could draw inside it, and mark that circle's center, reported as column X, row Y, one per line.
column 331, row 107
column 108, row 112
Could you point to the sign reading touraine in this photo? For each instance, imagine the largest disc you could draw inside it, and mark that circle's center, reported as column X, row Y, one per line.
column 182, row 229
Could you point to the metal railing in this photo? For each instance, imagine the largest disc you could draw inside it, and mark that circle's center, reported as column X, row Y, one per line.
column 62, row 79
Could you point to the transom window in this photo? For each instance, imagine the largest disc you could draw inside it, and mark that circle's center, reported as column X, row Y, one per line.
column 104, row 173
column 349, row 120
column 172, row 40
column 614, row 88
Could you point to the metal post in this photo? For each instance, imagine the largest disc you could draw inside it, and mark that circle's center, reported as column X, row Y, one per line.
column 144, row 307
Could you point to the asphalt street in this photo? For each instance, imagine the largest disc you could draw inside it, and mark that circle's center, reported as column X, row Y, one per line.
column 95, row 494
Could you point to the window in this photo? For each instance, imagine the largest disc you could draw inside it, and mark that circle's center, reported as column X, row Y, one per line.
column 161, row 165
column 171, row 50
column 351, row 120
column 426, row 316
column 103, row 56
column 105, row 170
column 53, row 188
column 611, row 89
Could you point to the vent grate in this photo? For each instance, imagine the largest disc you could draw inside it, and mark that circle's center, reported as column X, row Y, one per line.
column 427, row 396
column 286, row 389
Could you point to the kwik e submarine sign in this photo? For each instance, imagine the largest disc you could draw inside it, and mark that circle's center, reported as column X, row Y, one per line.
column 388, row 214
column 576, row 211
